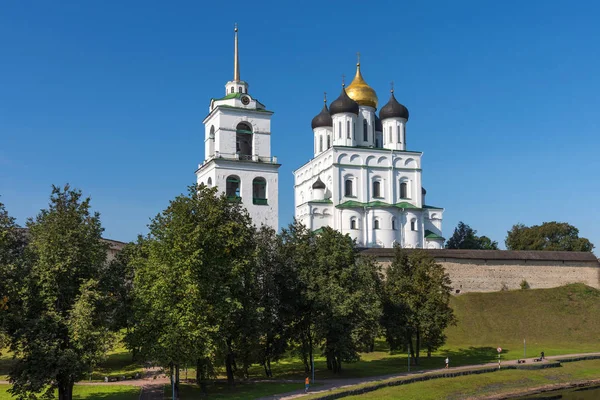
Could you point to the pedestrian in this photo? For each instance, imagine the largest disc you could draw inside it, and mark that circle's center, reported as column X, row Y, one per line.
column 447, row 362
column 542, row 356
column 306, row 384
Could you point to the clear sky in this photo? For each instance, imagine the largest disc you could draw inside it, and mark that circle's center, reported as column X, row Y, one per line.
column 109, row 96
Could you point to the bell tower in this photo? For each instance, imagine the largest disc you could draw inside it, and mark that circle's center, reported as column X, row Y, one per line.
column 237, row 150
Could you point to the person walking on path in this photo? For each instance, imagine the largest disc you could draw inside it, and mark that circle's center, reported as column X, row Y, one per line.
column 306, row 384
column 447, row 362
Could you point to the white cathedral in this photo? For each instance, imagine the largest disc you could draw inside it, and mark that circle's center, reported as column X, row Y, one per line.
column 237, row 150
column 362, row 180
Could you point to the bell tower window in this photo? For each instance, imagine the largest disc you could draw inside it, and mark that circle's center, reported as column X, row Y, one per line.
column 243, row 141
column 259, row 191
column 348, row 187
column 348, row 129
column 376, row 189
column 232, row 187
column 365, row 131
column 403, row 190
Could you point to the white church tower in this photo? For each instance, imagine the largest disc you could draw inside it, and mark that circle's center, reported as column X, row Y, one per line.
column 362, row 180
column 237, row 150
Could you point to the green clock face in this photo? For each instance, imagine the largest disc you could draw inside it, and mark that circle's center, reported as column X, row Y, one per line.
column 245, row 100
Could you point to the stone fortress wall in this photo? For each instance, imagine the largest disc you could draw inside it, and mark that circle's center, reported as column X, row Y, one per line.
column 493, row 270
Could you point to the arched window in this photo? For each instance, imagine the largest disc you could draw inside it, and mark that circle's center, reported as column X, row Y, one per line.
column 328, row 141
column 393, row 224
column 232, row 89
column 413, row 224
column 340, row 130
column 240, row 89
column 320, row 143
column 365, row 131
column 232, row 187
column 376, row 189
column 376, row 224
column 209, row 182
column 353, row 223
column 348, row 187
column 259, row 191
column 211, row 141
column 243, row 137
column 348, row 129
column 403, row 190
column 390, row 130
column 398, row 134
column 354, row 130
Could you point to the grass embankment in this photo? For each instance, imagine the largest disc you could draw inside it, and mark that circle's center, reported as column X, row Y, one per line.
column 484, row 385
column 557, row 321
column 99, row 392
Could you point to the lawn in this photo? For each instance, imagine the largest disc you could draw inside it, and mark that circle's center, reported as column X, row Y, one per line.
column 501, row 382
column 241, row 391
column 92, row 392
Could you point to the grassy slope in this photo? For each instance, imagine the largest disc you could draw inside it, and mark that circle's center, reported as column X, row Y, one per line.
column 239, row 392
column 504, row 381
column 556, row 321
column 92, row 392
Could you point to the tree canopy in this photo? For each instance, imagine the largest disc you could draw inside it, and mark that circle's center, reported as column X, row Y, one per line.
column 558, row 236
column 465, row 237
column 57, row 327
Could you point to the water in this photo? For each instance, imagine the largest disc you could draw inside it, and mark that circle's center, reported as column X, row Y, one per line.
column 591, row 393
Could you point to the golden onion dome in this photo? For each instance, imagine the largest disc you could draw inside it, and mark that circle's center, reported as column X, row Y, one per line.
column 361, row 92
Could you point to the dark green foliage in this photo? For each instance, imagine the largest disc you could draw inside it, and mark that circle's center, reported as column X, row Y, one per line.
column 525, row 284
column 558, row 236
column 57, row 327
column 464, row 237
column 416, row 307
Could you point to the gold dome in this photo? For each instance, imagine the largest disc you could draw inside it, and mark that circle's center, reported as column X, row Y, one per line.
column 361, row 92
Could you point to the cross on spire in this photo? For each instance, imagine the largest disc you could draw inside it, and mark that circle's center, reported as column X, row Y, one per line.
column 343, row 80
column 358, row 58
column 325, row 97
column 392, row 86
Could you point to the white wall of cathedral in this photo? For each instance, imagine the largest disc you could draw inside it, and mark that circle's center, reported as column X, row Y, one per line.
column 365, row 126
column 364, row 167
column 344, row 129
column 220, row 132
column 248, row 173
column 323, row 139
column 394, row 133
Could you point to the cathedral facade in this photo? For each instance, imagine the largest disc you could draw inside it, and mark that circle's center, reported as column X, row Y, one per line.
column 237, row 150
column 362, row 180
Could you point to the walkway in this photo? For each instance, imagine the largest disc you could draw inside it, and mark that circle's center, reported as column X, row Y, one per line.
column 152, row 388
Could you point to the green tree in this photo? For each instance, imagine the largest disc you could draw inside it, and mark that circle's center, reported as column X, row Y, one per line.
column 557, row 236
column 12, row 266
column 465, row 237
column 416, row 303
column 57, row 329
column 346, row 301
column 194, row 285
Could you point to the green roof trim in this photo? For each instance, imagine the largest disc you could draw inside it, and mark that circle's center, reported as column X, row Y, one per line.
column 246, row 109
column 358, row 204
column 431, row 235
column 325, row 201
column 230, row 96
column 317, row 231
column 433, row 207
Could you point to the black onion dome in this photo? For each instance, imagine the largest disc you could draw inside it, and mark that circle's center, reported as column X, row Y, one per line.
column 393, row 109
column 318, row 184
column 343, row 104
column 378, row 124
column 322, row 119
column 423, row 191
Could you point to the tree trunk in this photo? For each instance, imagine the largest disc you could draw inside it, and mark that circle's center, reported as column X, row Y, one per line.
column 65, row 391
column 418, row 345
column 229, row 364
column 269, row 368
column 201, row 374
column 428, row 352
column 176, row 381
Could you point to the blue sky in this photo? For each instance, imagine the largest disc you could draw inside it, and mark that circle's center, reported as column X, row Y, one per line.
column 110, row 97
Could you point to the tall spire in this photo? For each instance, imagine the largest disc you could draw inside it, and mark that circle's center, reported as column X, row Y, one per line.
column 236, row 62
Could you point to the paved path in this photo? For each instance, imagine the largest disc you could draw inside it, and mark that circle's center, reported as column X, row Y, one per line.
column 334, row 384
column 152, row 388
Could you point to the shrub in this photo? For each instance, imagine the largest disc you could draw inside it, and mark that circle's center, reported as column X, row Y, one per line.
column 525, row 284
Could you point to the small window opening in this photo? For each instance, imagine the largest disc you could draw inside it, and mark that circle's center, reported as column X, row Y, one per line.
column 232, row 187
column 376, row 189
column 353, row 223
column 413, row 225
column 348, row 187
column 376, row 224
column 403, row 190
column 365, row 131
